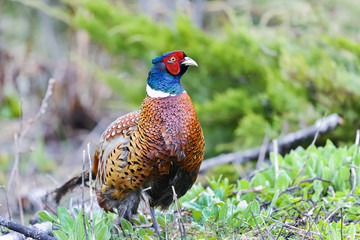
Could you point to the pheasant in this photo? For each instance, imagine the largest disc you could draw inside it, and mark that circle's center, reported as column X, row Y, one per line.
column 145, row 153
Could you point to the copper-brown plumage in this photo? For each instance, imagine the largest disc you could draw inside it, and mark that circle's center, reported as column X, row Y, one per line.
column 158, row 147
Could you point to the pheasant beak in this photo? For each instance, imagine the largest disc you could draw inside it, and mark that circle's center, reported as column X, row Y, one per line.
column 189, row 62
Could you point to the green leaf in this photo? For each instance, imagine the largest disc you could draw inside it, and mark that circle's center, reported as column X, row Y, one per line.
column 65, row 218
column 126, row 225
column 60, row 235
column 103, row 233
column 273, row 201
column 161, row 221
column 46, row 216
column 244, row 184
column 197, row 214
column 352, row 231
column 255, row 207
column 142, row 232
column 344, row 173
column 283, row 180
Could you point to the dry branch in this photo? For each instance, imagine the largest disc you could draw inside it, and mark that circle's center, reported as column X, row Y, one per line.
column 32, row 231
column 328, row 124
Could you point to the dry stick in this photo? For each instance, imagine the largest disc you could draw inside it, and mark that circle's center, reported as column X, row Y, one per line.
column 290, row 226
column 289, row 189
column 82, row 195
column 310, row 149
column 30, row 122
column 262, row 152
column 312, row 222
column 165, row 229
column 181, row 223
column 6, row 201
column 32, row 231
column 257, row 225
column 91, row 195
column 342, row 225
column 18, row 137
column 286, row 142
column 17, row 179
column 268, row 232
column 353, row 176
column 282, row 227
column 276, row 159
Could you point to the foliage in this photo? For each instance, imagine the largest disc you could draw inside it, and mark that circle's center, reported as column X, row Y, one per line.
column 279, row 75
column 313, row 197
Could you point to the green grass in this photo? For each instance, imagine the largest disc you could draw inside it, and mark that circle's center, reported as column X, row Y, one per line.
column 322, row 202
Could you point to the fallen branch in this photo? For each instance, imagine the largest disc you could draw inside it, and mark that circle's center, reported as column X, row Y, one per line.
column 32, row 231
column 328, row 124
column 292, row 188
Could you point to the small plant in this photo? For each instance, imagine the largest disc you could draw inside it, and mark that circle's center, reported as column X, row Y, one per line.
column 322, row 202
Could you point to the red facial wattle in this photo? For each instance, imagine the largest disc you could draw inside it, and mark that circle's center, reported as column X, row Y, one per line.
column 172, row 62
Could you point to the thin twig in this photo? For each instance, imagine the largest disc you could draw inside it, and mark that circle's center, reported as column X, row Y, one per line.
column 6, row 201
column 181, row 222
column 82, row 195
column 312, row 222
column 256, row 189
column 342, row 225
column 282, row 227
column 91, row 195
column 262, row 152
column 352, row 176
column 18, row 139
column 310, row 148
column 257, row 225
column 22, row 132
column 276, row 158
column 267, row 231
column 17, row 179
column 289, row 189
column 290, row 226
column 143, row 226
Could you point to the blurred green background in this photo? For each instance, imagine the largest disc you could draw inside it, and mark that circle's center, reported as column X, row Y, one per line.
column 266, row 68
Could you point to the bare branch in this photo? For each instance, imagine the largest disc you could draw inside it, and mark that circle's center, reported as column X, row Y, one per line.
column 32, row 231
column 91, row 194
column 288, row 141
column 181, row 223
column 353, row 177
column 276, row 158
column 292, row 188
column 7, row 201
column 18, row 138
column 82, row 195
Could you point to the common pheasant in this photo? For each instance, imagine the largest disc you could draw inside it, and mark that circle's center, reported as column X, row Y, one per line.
column 160, row 146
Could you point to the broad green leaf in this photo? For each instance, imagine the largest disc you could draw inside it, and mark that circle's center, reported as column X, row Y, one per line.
column 126, row 225
column 65, row 218
column 60, row 235
column 103, row 233
column 344, row 173
column 46, row 216
column 255, row 207
column 283, row 180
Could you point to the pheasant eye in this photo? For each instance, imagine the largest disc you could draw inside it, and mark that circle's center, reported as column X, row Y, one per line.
column 172, row 59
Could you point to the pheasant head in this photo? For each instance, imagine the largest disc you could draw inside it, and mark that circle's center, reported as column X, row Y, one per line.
column 164, row 76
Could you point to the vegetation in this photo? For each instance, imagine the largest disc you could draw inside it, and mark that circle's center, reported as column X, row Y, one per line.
column 261, row 73
column 241, row 73
column 266, row 68
column 314, row 196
